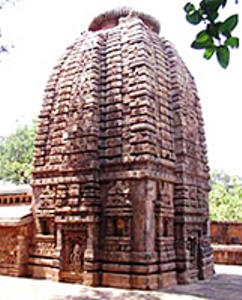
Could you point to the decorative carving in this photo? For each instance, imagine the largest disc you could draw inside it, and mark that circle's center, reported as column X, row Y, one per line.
column 8, row 253
column 192, row 247
column 118, row 195
column 44, row 248
column 118, row 226
column 47, row 225
column 74, row 194
column 191, row 127
column 61, row 195
column 121, row 146
column 164, row 193
column 114, row 246
column 74, row 246
column 202, row 198
column 76, row 255
column 13, row 248
column 47, row 198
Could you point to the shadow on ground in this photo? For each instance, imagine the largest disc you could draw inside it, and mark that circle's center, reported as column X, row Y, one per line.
column 107, row 296
column 220, row 287
column 90, row 294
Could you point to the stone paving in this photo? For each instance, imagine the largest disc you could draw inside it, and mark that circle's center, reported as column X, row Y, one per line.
column 225, row 285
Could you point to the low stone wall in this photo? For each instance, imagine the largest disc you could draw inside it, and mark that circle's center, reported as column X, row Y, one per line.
column 228, row 233
column 226, row 238
column 14, row 242
column 227, row 254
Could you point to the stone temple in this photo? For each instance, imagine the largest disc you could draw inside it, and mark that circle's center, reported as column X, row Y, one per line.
column 120, row 181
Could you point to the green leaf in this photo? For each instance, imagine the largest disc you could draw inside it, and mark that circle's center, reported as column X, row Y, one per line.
column 229, row 24
column 196, row 45
column 203, row 37
column 209, row 52
column 232, row 42
column 194, row 18
column 223, row 56
column 213, row 29
column 210, row 6
column 203, row 40
column 189, row 7
column 212, row 15
column 227, row 34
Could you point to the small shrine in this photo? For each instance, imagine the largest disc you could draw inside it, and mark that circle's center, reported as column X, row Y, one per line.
column 15, row 229
column 121, row 179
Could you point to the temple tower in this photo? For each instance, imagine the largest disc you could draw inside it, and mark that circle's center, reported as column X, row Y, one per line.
column 120, row 177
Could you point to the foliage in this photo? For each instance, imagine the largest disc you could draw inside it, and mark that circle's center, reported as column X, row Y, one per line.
column 16, row 152
column 217, row 36
column 225, row 197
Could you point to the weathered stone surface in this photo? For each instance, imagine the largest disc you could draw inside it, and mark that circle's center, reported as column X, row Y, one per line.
column 15, row 229
column 120, row 179
column 228, row 254
column 227, row 242
column 226, row 232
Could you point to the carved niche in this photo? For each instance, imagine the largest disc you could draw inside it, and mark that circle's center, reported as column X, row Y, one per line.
column 61, row 195
column 45, row 210
column 76, row 136
column 118, row 219
column 118, row 226
column 74, row 191
column 68, row 195
column 9, row 247
column 191, row 127
column 46, row 226
column 192, row 246
column 118, row 195
column 118, row 203
column 47, row 198
column 164, row 226
column 164, row 194
column 192, row 194
column 73, row 248
column 44, row 248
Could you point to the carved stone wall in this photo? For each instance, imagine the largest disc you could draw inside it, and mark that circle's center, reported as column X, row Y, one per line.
column 226, row 232
column 120, row 177
column 226, row 238
column 14, row 244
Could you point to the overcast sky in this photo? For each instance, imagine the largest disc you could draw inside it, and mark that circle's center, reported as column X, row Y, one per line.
column 41, row 30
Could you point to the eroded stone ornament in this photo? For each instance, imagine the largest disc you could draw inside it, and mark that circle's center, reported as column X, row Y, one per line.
column 120, row 176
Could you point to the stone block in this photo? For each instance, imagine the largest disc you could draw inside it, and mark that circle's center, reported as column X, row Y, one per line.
column 167, row 279
column 116, row 280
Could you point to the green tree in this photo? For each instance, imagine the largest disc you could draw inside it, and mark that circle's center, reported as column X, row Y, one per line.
column 225, row 197
column 16, row 153
column 217, row 36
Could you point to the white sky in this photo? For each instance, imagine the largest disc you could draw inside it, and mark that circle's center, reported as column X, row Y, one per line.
column 41, row 30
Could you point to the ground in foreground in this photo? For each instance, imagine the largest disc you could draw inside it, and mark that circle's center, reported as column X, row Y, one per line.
column 225, row 285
